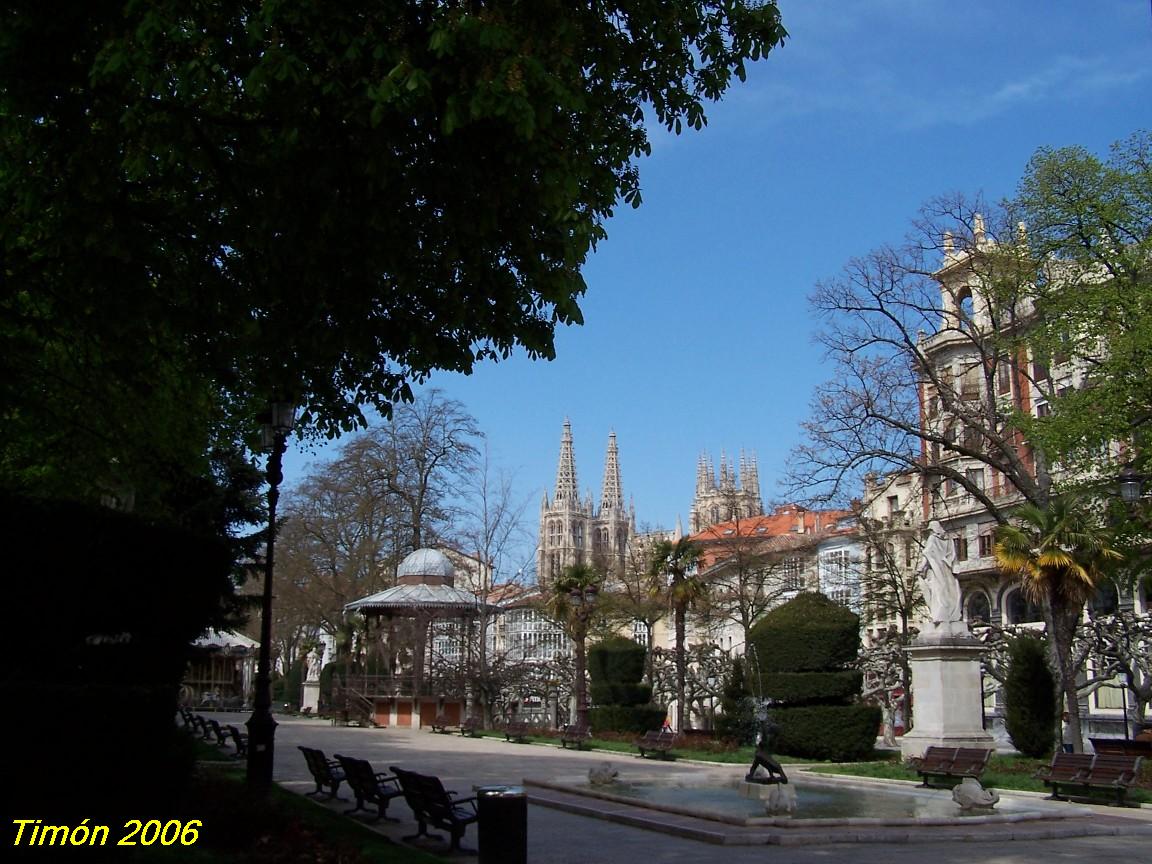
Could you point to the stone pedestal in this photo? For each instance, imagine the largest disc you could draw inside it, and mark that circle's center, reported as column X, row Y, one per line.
column 946, row 693
column 311, row 696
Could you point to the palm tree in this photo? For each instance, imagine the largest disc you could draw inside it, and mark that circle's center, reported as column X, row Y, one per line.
column 677, row 562
column 572, row 603
column 1059, row 554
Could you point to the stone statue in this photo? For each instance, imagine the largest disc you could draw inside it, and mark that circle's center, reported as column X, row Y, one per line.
column 602, row 775
column 970, row 795
column 762, row 758
column 941, row 590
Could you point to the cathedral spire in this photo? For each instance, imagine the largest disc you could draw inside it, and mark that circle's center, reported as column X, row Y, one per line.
column 612, row 492
column 750, row 479
column 701, row 475
column 567, row 492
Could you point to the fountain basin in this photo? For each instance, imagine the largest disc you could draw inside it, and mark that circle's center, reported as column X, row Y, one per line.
column 821, row 802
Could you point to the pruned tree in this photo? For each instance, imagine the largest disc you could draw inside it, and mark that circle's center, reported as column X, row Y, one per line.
column 1120, row 647
column 887, row 680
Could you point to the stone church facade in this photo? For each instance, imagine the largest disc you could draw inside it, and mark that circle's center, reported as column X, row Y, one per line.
column 576, row 529
column 734, row 493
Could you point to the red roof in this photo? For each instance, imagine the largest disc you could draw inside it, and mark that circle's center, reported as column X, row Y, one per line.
column 790, row 526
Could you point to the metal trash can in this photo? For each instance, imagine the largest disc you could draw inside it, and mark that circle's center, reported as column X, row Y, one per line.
column 503, row 824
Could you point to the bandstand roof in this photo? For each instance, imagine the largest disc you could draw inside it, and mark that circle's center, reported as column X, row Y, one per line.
column 227, row 640
column 417, row 598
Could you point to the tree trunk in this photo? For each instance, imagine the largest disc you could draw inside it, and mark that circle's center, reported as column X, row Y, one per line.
column 1061, row 626
column 581, row 684
column 681, row 666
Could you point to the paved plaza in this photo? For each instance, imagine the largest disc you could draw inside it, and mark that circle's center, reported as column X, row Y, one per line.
column 557, row 837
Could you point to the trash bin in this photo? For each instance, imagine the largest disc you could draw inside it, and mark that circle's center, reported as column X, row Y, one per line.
column 503, row 824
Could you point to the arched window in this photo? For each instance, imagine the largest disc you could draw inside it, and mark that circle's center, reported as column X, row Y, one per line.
column 1107, row 599
column 979, row 609
column 965, row 305
column 1020, row 610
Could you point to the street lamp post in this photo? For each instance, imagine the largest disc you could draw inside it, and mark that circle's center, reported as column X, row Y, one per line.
column 261, row 725
column 583, row 602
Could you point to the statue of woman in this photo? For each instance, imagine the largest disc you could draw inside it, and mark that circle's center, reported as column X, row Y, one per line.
column 941, row 590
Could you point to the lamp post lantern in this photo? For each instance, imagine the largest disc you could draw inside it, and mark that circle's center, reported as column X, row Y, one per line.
column 261, row 725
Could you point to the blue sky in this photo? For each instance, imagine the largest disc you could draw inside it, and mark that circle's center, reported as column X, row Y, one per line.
column 697, row 331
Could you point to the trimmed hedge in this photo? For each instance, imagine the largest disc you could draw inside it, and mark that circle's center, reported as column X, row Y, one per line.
column 621, row 694
column 812, row 688
column 838, row 733
column 616, row 660
column 809, row 633
column 1030, row 698
column 626, row 718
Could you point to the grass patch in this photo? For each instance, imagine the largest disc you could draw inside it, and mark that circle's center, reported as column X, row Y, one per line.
column 1003, row 772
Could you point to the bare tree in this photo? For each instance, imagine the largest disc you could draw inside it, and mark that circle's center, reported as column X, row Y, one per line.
column 891, row 403
column 493, row 531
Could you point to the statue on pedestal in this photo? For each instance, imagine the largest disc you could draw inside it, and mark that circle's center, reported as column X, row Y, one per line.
column 937, row 580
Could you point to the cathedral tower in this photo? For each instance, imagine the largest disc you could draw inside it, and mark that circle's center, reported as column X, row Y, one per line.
column 734, row 494
column 572, row 529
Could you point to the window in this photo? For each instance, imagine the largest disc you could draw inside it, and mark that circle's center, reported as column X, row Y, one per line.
column 975, row 478
column 960, row 544
column 1004, row 378
column 1040, row 371
column 640, row 631
column 986, row 543
column 1020, row 610
column 909, row 551
column 1043, row 409
column 979, row 610
column 793, row 574
column 893, row 505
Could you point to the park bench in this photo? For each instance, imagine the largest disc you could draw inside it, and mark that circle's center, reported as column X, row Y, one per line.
column 218, row 732
column 471, row 727
column 950, row 763
column 432, row 804
column 239, row 740
column 1122, row 746
column 202, row 726
column 326, row 772
column 440, row 724
column 575, row 734
column 1086, row 773
column 657, row 741
column 368, row 786
column 517, row 731
column 186, row 719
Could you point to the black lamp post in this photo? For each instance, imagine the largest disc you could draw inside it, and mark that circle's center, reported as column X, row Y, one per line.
column 583, row 602
column 261, row 725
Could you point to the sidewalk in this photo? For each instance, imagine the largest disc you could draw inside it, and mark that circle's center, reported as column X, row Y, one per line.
column 557, row 837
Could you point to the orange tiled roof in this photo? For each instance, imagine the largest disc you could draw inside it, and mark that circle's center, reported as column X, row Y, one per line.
column 789, row 526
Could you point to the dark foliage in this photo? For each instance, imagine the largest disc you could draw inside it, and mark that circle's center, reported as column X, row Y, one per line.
column 119, row 602
column 1030, row 697
column 626, row 718
column 811, row 688
column 809, row 633
column 623, row 704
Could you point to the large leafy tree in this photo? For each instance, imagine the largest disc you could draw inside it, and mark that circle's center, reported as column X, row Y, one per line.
column 242, row 201
column 1060, row 556
column 1089, row 227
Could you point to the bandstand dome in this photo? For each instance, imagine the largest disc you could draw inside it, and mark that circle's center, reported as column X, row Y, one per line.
column 424, row 584
column 424, row 563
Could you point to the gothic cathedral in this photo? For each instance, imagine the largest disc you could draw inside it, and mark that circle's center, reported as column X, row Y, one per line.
column 574, row 530
column 734, row 495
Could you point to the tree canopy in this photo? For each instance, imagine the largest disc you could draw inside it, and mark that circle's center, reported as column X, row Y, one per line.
column 210, row 205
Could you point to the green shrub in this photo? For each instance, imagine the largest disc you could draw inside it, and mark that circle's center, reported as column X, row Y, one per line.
column 736, row 720
column 626, row 718
column 838, row 733
column 1029, row 697
column 621, row 694
column 810, row 688
column 809, row 633
column 616, row 660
